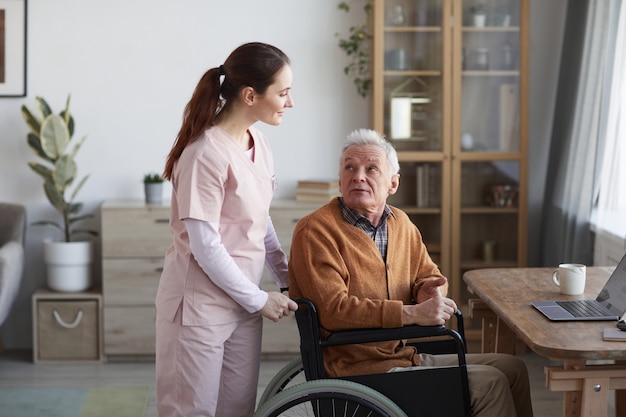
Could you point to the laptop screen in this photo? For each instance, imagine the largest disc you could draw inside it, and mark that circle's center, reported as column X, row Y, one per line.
column 613, row 295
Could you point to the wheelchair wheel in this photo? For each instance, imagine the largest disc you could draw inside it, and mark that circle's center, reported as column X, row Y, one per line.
column 329, row 397
column 290, row 375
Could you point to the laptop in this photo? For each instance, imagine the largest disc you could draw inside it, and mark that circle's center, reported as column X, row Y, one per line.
column 610, row 304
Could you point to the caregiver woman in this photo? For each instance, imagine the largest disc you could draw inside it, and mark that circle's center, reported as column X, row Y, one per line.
column 210, row 308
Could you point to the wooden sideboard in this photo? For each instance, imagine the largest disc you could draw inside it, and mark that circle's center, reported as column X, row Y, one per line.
column 135, row 237
column 282, row 337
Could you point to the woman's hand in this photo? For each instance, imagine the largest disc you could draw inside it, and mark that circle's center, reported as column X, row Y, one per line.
column 278, row 306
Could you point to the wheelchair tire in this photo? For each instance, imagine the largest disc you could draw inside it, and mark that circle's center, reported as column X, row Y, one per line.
column 291, row 374
column 346, row 398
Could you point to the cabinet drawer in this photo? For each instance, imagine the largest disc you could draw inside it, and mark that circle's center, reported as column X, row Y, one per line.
column 135, row 232
column 284, row 221
column 129, row 330
column 131, row 281
column 66, row 330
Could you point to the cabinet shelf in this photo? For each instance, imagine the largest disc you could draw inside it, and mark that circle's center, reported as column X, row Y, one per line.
column 420, row 210
column 487, row 156
column 489, row 210
column 491, row 29
column 412, row 73
column 412, row 29
column 491, row 73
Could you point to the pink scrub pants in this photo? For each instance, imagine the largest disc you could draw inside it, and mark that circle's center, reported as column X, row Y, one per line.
column 207, row 371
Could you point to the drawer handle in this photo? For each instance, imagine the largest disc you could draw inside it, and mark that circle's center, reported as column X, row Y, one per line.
column 162, row 221
column 79, row 317
column 159, row 269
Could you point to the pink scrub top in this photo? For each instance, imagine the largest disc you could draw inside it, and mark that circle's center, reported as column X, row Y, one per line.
column 215, row 181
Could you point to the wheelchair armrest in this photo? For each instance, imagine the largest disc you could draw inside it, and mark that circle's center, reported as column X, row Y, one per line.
column 354, row 336
column 379, row 334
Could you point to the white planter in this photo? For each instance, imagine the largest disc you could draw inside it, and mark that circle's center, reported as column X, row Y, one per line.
column 153, row 192
column 480, row 20
column 68, row 265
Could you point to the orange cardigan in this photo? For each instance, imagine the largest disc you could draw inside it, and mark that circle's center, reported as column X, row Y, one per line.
column 338, row 267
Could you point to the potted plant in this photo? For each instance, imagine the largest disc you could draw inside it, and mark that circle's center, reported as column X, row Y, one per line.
column 479, row 14
column 357, row 46
column 68, row 260
column 153, row 188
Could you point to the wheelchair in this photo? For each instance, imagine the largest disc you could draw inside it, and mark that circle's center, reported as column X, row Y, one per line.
column 429, row 392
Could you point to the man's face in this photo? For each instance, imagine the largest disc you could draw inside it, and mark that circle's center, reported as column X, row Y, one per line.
column 365, row 180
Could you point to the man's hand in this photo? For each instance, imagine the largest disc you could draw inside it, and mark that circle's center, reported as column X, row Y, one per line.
column 433, row 311
column 430, row 289
column 278, row 306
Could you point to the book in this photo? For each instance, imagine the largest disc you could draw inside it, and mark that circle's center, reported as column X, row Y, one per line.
column 319, row 183
column 509, row 121
column 319, row 191
column 315, row 197
column 428, row 185
column 614, row 334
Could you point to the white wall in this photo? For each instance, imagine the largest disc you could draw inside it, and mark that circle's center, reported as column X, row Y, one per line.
column 131, row 66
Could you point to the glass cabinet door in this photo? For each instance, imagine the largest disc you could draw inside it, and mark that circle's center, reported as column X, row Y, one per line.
column 490, row 68
column 412, row 72
column 411, row 79
column 489, row 148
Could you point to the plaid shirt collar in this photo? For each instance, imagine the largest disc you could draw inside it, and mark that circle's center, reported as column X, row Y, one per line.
column 378, row 233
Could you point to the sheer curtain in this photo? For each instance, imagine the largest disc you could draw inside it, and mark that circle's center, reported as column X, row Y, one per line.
column 579, row 132
column 611, row 207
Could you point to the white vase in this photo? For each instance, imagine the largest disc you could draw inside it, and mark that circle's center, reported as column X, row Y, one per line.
column 68, row 265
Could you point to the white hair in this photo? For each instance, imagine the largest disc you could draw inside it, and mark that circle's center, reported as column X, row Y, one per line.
column 371, row 137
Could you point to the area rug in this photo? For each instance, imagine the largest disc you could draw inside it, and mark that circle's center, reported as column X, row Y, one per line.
column 74, row 402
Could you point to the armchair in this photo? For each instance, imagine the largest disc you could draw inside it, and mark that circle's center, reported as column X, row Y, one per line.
column 12, row 231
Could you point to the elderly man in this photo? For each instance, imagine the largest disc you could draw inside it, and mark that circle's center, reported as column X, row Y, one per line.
column 364, row 265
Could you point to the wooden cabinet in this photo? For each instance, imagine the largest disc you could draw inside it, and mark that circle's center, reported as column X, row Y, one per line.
column 450, row 90
column 282, row 337
column 135, row 237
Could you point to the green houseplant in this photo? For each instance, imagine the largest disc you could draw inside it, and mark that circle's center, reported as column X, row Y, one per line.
column 49, row 138
column 356, row 45
column 153, row 188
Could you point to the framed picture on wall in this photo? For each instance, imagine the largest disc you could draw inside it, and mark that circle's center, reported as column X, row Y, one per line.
column 12, row 48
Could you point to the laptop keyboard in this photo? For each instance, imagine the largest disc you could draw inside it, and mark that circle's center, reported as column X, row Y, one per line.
column 581, row 308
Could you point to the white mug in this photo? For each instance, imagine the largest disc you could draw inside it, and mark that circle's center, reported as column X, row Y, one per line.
column 570, row 278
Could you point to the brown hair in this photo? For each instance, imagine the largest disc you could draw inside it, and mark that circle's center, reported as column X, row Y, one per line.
column 253, row 64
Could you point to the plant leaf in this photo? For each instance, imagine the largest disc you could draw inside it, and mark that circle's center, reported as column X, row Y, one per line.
column 33, row 123
column 47, row 223
column 55, row 196
column 44, row 171
column 54, row 136
column 43, row 107
column 78, row 187
column 64, row 172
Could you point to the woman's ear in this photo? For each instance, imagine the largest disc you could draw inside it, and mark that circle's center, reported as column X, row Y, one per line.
column 248, row 95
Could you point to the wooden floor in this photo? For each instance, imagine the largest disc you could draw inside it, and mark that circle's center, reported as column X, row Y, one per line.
column 17, row 370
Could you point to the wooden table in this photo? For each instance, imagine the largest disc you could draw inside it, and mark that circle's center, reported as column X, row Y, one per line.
column 504, row 305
